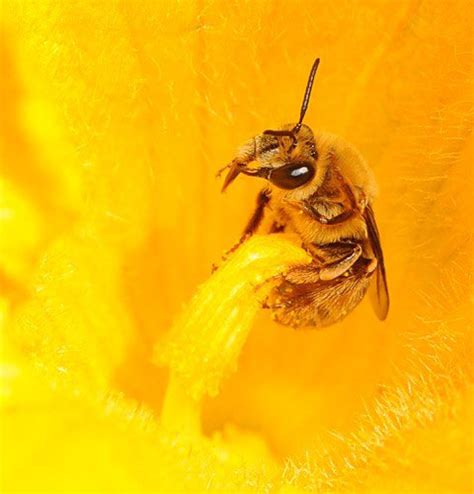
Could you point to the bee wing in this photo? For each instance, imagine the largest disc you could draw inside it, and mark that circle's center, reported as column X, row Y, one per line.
column 378, row 289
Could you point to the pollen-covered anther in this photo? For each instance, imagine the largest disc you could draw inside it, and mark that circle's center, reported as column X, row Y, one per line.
column 204, row 343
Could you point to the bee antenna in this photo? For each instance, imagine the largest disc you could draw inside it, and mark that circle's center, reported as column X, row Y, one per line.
column 304, row 106
column 307, row 94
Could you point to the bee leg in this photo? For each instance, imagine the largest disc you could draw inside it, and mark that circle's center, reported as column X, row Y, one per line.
column 340, row 267
column 263, row 199
column 297, row 274
column 305, row 294
column 287, row 285
column 330, row 262
column 372, row 266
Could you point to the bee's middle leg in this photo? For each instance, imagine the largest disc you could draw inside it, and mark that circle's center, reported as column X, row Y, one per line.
column 337, row 268
column 296, row 286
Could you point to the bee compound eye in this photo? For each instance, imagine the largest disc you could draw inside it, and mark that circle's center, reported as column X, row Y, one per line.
column 292, row 175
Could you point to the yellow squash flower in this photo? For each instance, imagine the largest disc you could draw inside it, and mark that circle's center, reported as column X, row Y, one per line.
column 125, row 364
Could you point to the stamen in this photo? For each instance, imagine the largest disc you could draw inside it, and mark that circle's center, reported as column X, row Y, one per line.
column 203, row 346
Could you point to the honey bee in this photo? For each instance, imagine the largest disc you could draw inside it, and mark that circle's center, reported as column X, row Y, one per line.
column 321, row 189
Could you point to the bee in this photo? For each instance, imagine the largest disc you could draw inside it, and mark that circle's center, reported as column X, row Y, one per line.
column 320, row 189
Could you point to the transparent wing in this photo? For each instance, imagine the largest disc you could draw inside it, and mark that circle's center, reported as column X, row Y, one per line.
column 378, row 290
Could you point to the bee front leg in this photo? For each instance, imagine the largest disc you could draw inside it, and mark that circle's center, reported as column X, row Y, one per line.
column 254, row 222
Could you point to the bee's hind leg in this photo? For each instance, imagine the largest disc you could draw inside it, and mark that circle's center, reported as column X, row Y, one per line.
column 286, row 286
column 305, row 294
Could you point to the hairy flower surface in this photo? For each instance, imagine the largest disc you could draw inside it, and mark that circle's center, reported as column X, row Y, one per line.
column 125, row 364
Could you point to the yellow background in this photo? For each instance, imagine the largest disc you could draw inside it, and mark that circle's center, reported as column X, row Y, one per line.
column 116, row 116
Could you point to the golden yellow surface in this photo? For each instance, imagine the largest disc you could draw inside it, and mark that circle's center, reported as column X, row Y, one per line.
column 125, row 364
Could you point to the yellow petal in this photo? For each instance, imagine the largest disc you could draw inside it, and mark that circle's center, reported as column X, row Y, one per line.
column 115, row 118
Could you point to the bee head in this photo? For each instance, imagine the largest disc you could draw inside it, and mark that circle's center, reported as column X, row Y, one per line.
column 296, row 171
column 289, row 176
column 285, row 163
